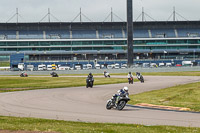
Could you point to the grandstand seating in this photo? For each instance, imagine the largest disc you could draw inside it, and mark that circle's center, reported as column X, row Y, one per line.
column 188, row 32
column 100, row 33
column 162, row 33
column 57, row 34
column 8, row 34
column 30, row 34
column 111, row 33
column 83, row 34
column 140, row 33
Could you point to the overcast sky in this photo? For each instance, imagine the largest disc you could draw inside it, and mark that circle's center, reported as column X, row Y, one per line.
column 96, row 10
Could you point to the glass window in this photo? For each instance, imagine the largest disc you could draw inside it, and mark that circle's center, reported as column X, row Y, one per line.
column 139, row 42
column 97, row 42
column 66, row 43
column 33, row 43
column 44, row 43
column 119, row 43
column 181, row 41
column 55, row 43
column 108, row 42
column 192, row 41
column 192, row 47
column 12, row 43
column 86, row 42
column 23, row 43
column 2, row 43
column 76, row 43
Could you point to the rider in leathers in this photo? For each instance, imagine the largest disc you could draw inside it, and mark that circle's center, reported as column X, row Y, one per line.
column 121, row 93
column 138, row 75
column 90, row 76
column 129, row 75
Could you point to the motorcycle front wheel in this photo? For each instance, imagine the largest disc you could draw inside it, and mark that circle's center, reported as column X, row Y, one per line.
column 121, row 105
column 108, row 105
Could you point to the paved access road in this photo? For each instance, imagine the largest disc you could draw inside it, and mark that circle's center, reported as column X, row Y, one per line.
column 88, row 104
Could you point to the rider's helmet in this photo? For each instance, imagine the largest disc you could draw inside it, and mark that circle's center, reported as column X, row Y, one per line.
column 129, row 72
column 90, row 73
column 137, row 73
column 125, row 89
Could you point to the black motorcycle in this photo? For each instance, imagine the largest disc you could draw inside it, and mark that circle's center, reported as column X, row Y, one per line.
column 89, row 82
column 119, row 105
column 54, row 74
column 130, row 80
column 140, row 77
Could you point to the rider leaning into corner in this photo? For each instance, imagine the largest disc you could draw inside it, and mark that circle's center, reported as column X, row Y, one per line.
column 121, row 93
column 104, row 73
column 138, row 74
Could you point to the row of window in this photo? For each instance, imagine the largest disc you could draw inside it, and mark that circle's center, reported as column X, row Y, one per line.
column 101, row 48
column 119, row 42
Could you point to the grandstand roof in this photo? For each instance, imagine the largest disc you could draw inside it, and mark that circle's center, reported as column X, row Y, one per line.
column 98, row 25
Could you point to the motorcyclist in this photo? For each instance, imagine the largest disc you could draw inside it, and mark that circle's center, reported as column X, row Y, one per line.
column 129, row 75
column 121, row 93
column 90, row 77
column 23, row 74
column 54, row 74
column 106, row 74
column 138, row 75
column 130, row 78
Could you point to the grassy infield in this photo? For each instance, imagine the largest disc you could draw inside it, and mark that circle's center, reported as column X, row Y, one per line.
column 4, row 64
column 21, row 83
column 181, row 96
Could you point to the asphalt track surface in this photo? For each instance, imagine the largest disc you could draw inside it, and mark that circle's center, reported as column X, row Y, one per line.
column 88, row 104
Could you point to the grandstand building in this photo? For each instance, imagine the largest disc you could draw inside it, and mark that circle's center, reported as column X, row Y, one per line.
column 100, row 40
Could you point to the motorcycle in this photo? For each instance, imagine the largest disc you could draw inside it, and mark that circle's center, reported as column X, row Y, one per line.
column 54, row 74
column 119, row 105
column 106, row 75
column 130, row 80
column 140, row 77
column 23, row 75
column 89, row 82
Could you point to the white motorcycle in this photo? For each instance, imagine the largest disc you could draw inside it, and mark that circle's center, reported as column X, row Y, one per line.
column 119, row 104
column 106, row 75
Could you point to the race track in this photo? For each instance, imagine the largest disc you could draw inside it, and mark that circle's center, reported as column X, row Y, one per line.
column 88, row 104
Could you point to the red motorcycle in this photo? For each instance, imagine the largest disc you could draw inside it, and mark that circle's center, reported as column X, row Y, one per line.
column 23, row 75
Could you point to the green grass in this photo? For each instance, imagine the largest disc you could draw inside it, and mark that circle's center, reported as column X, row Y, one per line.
column 24, row 83
column 32, row 124
column 178, row 96
column 4, row 64
column 189, row 73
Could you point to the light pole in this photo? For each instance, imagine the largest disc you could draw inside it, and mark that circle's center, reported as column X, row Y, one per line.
column 129, row 33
